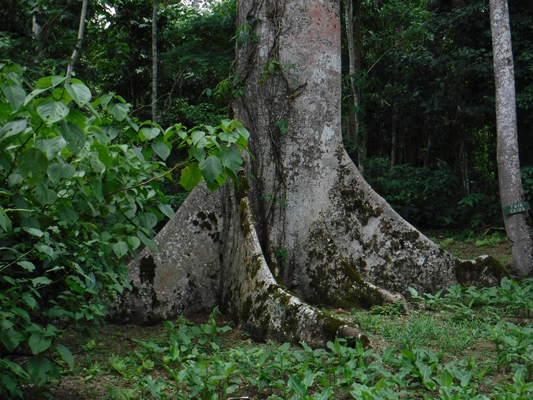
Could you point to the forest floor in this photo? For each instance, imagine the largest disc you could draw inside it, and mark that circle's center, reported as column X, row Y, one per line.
column 214, row 361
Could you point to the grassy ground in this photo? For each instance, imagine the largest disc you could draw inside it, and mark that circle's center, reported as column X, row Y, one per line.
column 464, row 343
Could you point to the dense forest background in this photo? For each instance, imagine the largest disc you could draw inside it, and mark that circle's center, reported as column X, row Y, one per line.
column 85, row 169
column 425, row 78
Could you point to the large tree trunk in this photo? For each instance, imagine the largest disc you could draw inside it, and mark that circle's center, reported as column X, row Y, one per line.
column 304, row 226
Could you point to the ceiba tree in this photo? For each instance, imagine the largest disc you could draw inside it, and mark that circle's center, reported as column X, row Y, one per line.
column 303, row 227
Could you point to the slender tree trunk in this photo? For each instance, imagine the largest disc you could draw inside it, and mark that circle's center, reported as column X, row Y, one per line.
column 81, row 31
column 395, row 152
column 154, row 63
column 304, row 225
column 354, row 54
column 511, row 192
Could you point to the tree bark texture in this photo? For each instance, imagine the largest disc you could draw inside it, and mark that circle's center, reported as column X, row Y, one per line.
column 81, row 31
column 154, row 62
column 304, row 227
column 354, row 56
column 511, row 192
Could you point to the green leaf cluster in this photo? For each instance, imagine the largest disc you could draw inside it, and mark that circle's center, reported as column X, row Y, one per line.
column 80, row 190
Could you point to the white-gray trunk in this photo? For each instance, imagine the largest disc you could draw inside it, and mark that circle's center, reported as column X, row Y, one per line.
column 154, row 63
column 511, row 192
column 304, row 226
column 81, row 31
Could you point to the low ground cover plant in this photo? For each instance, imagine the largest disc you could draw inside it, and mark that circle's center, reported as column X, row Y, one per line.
column 461, row 343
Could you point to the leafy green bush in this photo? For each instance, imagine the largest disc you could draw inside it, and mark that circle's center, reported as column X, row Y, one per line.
column 80, row 190
column 433, row 198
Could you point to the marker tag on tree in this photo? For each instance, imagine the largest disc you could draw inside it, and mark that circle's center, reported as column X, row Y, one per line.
column 516, row 208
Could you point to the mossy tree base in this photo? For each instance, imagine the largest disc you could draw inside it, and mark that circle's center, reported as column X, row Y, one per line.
column 304, row 228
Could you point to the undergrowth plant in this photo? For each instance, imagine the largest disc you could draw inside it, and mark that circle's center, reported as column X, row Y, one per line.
column 79, row 190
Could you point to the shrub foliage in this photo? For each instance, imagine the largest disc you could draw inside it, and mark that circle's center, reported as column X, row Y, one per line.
column 80, row 190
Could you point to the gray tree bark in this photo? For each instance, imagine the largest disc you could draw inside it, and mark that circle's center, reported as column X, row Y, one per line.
column 511, row 191
column 354, row 57
column 304, row 228
column 154, row 62
column 81, row 31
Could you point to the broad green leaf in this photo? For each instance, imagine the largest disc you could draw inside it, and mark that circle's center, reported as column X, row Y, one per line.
column 102, row 138
column 296, row 384
column 45, row 195
column 60, row 170
column 211, row 168
column 9, row 339
column 243, row 131
column 196, row 136
column 52, row 111
column 147, row 153
column 15, row 95
column 104, row 155
column 20, row 312
column 5, row 222
column 147, row 241
column 79, row 92
column 200, row 154
column 76, row 140
column 38, row 367
column 104, row 100
column 65, row 354
column 39, row 343
column 67, row 214
column 408, row 354
column 56, row 80
column 191, row 176
column 161, row 150
column 118, row 110
column 166, row 209
column 44, row 82
column 134, row 242
column 120, row 248
column 34, row 232
column 446, row 379
column 230, row 137
column 30, row 97
column 27, row 265
column 29, row 300
column 15, row 179
column 149, row 133
column 149, row 219
column 138, row 153
column 43, row 248
column 61, row 94
column 110, row 131
column 33, row 164
column 231, row 158
column 13, row 128
column 242, row 143
column 51, row 146
column 42, row 280
column 213, row 186
column 75, row 286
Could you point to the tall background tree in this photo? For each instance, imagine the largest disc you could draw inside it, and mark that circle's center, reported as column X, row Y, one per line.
column 511, row 192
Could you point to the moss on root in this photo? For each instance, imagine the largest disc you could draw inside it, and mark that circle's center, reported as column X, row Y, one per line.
column 484, row 271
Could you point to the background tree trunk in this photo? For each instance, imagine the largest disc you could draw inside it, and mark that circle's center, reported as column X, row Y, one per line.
column 154, row 63
column 511, row 192
column 304, row 226
column 354, row 55
column 81, row 31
